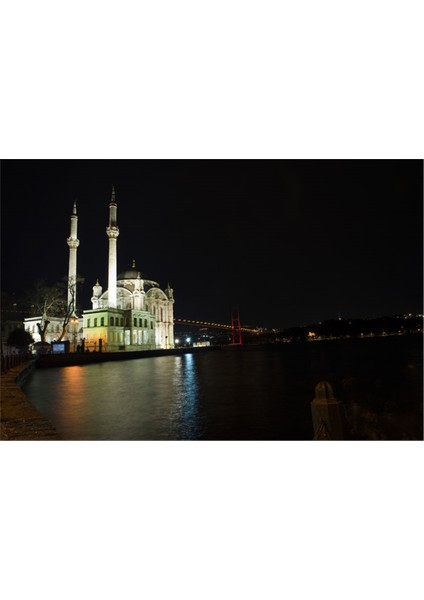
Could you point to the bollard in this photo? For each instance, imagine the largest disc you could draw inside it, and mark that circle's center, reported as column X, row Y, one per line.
column 326, row 413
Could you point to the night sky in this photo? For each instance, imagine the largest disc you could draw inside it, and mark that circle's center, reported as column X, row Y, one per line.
column 289, row 242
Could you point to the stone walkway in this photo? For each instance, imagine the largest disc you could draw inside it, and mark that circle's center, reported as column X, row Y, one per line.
column 20, row 420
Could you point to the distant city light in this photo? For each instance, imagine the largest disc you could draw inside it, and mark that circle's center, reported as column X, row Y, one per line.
column 188, row 340
column 177, row 341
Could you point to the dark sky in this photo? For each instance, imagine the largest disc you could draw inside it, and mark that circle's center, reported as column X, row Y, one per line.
column 288, row 241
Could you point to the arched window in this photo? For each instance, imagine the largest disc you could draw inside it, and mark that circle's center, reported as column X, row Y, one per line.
column 111, row 320
column 102, row 321
column 145, row 322
column 95, row 322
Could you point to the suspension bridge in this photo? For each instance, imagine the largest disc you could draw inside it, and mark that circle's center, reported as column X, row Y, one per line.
column 222, row 326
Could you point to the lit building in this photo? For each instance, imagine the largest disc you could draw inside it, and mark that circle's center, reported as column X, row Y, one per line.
column 73, row 330
column 142, row 316
column 132, row 314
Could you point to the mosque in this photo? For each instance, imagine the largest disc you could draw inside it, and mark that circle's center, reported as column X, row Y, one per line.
column 132, row 314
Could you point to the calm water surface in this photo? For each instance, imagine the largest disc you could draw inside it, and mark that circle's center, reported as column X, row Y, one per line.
column 242, row 393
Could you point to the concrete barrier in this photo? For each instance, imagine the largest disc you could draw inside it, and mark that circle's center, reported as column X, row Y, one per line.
column 327, row 414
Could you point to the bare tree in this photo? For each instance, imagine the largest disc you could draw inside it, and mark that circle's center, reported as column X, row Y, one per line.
column 70, row 306
column 52, row 301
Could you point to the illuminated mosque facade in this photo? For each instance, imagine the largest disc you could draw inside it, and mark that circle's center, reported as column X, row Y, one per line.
column 132, row 314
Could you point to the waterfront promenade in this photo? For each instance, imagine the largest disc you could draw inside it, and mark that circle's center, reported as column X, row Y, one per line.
column 20, row 420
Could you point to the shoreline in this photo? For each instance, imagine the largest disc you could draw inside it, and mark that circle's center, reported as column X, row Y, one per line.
column 20, row 420
column 74, row 358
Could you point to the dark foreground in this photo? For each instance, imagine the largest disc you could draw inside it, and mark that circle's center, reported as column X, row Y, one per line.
column 20, row 420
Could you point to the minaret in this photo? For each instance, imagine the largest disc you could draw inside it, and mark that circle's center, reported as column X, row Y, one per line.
column 112, row 233
column 73, row 243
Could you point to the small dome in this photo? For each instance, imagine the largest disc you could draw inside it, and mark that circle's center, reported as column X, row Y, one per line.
column 97, row 289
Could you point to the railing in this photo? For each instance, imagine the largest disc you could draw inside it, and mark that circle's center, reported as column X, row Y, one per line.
column 8, row 361
column 92, row 347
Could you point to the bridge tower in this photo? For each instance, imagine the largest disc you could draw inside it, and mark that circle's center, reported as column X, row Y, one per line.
column 235, row 327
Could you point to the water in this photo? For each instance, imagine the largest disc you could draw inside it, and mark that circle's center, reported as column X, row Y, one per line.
column 240, row 393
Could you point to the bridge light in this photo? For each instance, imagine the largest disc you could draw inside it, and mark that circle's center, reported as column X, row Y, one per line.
column 188, row 340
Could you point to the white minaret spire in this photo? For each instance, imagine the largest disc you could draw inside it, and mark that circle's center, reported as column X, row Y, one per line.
column 112, row 233
column 73, row 243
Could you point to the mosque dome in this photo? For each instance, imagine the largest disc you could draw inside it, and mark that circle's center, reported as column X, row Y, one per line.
column 130, row 274
column 133, row 273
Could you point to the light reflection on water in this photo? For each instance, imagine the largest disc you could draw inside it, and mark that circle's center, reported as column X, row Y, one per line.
column 241, row 394
column 154, row 398
column 186, row 390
